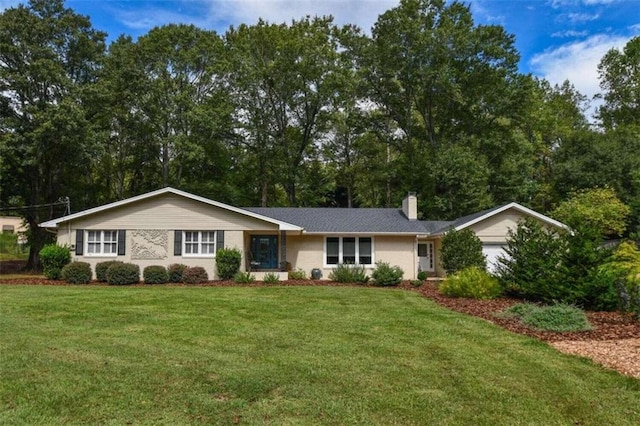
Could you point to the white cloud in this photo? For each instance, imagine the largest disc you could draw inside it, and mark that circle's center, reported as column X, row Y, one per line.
column 570, row 33
column 582, row 17
column 577, row 62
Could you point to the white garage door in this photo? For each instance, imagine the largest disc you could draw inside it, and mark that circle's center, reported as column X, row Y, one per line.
column 491, row 253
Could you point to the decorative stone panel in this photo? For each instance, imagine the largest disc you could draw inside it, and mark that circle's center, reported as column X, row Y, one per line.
column 149, row 244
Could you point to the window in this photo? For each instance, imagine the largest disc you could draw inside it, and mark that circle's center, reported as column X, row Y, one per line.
column 350, row 250
column 102, row 243
column 199, row 243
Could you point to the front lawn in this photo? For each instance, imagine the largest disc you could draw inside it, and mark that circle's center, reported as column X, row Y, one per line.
column 283, row 355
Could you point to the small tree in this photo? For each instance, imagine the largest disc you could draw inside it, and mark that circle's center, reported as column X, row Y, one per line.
column 599, row 209
column 532, row 265
column 460, row 250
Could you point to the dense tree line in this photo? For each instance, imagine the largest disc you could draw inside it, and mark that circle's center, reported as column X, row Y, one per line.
column 303, row 114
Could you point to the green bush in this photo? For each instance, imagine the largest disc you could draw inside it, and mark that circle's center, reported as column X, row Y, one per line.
column 101, row 269
column 422, row 275
column 621, row 272
column 386, row 275
column 195, row 275
column 348, row 273
column 155, row 274
column 558, row 317
column 76, row 273
column 461, row 250
column 416, row 283
column 244, row 277
column 471, row 282
column 123, row 273
column 298, row 274
column 271, row 278
column 175, row 271
column 54, row 258
column 228, row 262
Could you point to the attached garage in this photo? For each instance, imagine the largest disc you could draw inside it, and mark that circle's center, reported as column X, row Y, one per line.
column 491, row 253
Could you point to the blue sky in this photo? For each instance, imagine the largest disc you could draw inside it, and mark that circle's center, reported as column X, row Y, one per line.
column 557, row 39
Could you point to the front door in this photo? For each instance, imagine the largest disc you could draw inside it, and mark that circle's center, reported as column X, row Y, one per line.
column 264, row 251
column 426, row 260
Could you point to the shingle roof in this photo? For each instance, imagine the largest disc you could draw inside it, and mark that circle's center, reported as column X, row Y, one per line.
column 342, row 220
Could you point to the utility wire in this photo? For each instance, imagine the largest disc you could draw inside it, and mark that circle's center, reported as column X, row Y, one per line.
column 35, row 206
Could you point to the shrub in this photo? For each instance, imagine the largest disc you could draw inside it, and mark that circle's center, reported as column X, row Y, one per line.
column 471, row 282
column 559, row 317
column 298, row 274
column 348, row 273
column 155, row 274
column 76, row 273
column 175, row 271
column 622, row 272
column 531, row 267
column 460, row 250
column 228, row 262
column 195, row 275
column 54, row 258
column 386, row 275
column 101, row 269
column 244, row 277
column 123, row 273
column 422, row 275
column 271, row 278
column 416, row 283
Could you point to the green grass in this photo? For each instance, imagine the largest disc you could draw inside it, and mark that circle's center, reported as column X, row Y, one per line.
column 283, row 355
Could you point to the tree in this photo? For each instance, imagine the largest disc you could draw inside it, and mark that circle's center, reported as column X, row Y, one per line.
column 619, row 74
column 461, row 250
column 49, row 57
column 598, row 208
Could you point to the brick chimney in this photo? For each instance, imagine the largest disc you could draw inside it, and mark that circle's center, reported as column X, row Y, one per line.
column 410, row 206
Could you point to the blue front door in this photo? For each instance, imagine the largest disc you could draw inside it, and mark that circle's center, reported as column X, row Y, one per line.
column 264, row 251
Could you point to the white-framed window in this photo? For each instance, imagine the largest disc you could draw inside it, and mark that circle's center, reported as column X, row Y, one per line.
column 351, row 250
column 199, row 243
column 101, row 243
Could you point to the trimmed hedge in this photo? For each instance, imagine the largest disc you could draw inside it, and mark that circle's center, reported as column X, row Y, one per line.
column 101, row 269
column 54, row 258
column 76, row 273
column 175, row 272
column 155, row 274
column 123, row 273
column 195, row 275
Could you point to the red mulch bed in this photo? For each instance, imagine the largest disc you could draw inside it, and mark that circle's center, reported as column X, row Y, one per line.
column 606, row 325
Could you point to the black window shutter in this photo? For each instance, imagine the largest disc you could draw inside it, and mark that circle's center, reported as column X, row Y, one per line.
column 122, row 238
column 79, row 242
column 219, row 240
column 177, row 243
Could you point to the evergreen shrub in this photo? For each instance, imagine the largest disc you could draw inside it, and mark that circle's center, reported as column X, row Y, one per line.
column 460, row 250
column 175, row 272
column 387, row 275
column 155, row 274
column 195, row 275
column 228, row 262
column 76, row 273
column 101, row 269
column 123, row 273
column 54, row 258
